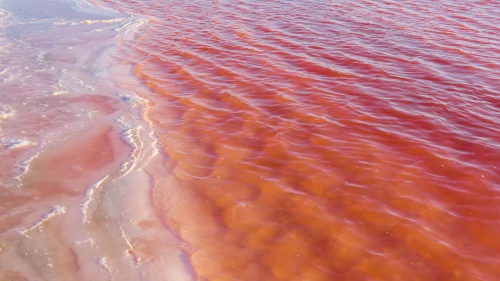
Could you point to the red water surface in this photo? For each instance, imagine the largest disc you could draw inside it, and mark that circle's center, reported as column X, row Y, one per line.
column 326, row 140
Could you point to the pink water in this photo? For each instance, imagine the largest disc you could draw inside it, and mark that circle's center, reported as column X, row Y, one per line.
column 297, row 140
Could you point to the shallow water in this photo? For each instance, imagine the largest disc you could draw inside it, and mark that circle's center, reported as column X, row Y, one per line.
column 300, row 140
column 75, row 152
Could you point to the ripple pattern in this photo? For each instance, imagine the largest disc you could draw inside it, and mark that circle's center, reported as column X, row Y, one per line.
column 327, row 140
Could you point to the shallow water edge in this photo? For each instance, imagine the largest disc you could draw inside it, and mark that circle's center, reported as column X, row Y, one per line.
column 77, row 154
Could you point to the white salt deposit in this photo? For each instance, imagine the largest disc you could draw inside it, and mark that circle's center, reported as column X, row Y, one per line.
column 54, row 211
column 89, row 196
column 15, row 143
column 6, row 111
column 131, row 135
column 25, row 167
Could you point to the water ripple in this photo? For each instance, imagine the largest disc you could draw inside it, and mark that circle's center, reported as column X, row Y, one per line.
column 327, row 140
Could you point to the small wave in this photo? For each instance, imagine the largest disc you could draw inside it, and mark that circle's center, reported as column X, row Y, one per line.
column 99, row 21
column 87, row 22
column 131, row 25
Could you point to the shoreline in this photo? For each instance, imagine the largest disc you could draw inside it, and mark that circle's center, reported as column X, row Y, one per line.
column 92, row 212
column 292, row 133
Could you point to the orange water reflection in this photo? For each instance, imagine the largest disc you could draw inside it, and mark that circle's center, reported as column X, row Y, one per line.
column 321, row 141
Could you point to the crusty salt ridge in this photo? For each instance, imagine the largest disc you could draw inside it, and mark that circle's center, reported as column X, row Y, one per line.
column 124, row 229
column 54, row 211
column 15, row 143
column 89, row 196
column 154, row 251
